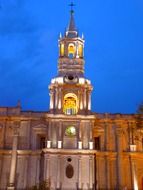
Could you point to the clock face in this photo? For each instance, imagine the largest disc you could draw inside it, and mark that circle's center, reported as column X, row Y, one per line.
column 70, row 131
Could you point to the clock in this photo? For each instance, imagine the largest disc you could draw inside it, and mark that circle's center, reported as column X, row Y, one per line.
column 70, row 131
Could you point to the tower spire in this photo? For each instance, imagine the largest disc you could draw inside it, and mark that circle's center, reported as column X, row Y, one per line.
column 71, row 31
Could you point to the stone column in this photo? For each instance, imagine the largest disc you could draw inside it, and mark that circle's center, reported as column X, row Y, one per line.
column 106, row 136
column 60, row 131
column 131, row 133
column 58, row 173
column 107, row 171
column 81, row 100
column 102, row 142
column 91, row 136
column 80, row 174
column 77, row 51
column 60, row 99
column 80, row 136
column 134, row 174
column 49, row 134
column 37, row 169
column 91, row 173
column 85, row 100
column 51, row 99
column 47, row 171
column 60, row 135
column 119, row 157
column 49, row 130
column 80, row 131
column 98, row 178
column 91, row 132
column 89, row 100
column 11, row 184
column 97, row 169
column 56, row 98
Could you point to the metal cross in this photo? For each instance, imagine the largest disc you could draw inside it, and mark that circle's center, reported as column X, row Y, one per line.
column 72, row 5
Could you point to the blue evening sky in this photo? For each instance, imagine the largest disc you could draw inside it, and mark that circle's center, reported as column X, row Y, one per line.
column 113, row 30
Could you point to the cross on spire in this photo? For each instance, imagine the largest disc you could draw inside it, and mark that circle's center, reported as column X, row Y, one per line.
column 72, row 5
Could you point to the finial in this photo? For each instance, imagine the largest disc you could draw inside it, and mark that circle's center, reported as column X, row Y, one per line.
column 60, row 35
column 82, row 36
column 72, row 5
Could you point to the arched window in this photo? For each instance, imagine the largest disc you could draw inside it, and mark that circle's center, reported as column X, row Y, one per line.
column 80, row 50
column 70, row 104
column 62, row 49
column 71, row 50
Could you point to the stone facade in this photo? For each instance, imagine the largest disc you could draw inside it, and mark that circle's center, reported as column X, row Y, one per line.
column 70, row 147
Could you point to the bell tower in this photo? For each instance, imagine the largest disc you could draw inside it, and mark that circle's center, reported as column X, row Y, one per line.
column 70, row 91
column 69, row 156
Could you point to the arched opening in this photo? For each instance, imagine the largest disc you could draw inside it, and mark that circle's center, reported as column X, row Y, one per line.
column 62, row 50
column 71, row 50
column 80, row 50
column 70, row 104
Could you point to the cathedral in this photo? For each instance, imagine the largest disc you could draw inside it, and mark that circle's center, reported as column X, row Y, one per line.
column 70, row 147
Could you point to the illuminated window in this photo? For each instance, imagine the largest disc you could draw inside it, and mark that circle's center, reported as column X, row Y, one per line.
column 70, row 104
column 70, row 131
column 71, row 50
column 62, row 50
column 80, row 50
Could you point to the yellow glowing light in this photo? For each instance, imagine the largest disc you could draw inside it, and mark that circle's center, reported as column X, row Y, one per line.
column 62, row 50
column 70, row 131
column 70, row 104
column 80, row 50
column 71, row 49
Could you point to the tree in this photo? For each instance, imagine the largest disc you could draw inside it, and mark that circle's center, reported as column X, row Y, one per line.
column 139, row 116
column 42, row 186
column 140, row 108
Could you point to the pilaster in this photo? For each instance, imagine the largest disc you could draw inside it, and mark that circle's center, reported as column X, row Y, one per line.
column 58, row 172
column 89, row 100
column 91, row 172
column 85, row 100
column 51, row 99
column 119, row 158
column 47, row 170
column 80, row 173
column 133, row 173
column 60, row 99
column 11, row 184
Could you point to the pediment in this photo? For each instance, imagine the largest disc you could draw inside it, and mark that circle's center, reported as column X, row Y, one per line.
column 40, row 126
